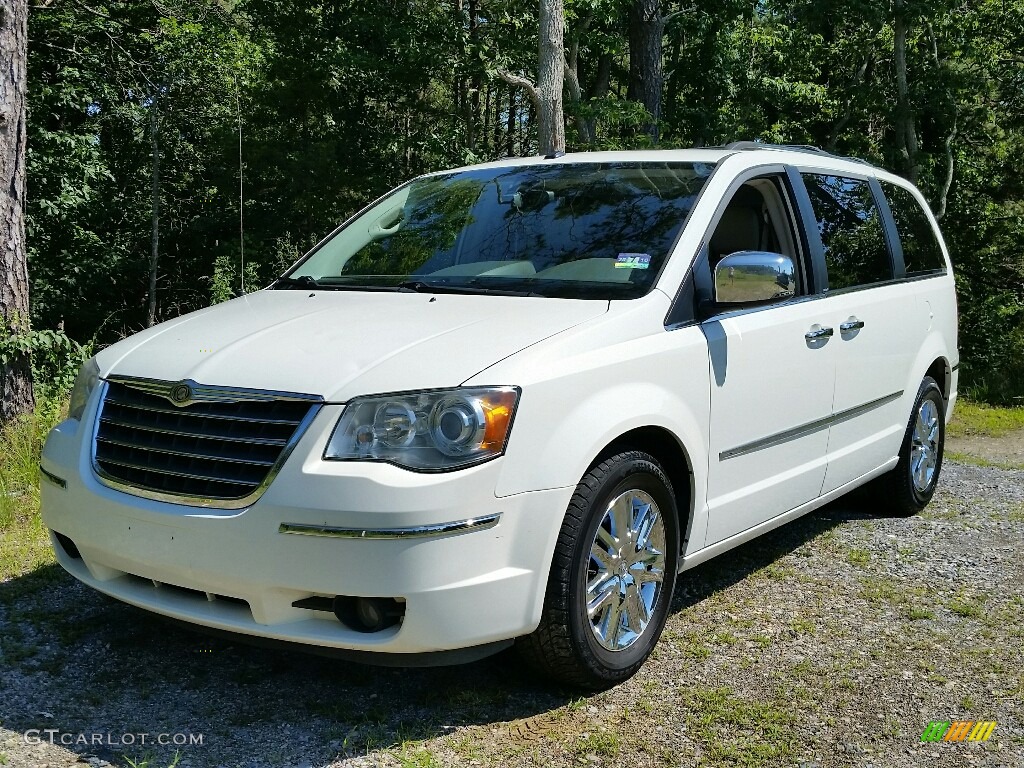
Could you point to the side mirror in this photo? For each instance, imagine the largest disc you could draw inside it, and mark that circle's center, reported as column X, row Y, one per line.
column 749, row 278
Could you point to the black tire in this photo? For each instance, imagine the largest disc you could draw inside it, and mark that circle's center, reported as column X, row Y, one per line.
column 566, row 644
column 908, row 491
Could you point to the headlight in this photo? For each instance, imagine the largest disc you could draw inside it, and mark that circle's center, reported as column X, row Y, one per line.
column 426, row 431
column 86, row 381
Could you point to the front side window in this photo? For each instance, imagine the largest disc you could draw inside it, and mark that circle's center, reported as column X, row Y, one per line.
column 756, row 218
column 921, row 251
column 600, row 230
column 851, row 231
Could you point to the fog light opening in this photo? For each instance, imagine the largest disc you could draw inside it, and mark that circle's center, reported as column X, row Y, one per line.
column 368, row 614
column 68, row 546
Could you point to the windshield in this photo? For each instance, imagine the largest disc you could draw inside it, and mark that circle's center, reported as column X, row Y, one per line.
column 578, row 231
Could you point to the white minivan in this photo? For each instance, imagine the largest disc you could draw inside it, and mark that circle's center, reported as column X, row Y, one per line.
column 510, row 403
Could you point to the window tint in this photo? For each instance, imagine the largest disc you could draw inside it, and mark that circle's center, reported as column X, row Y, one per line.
column 851, row 231
column 583, row 230
column 757, row 218
column 921, row 251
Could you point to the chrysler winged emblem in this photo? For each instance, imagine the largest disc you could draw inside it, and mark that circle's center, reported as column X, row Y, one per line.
column 181, row 393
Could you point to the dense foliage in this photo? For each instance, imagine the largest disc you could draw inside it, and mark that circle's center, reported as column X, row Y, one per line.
column 319, row 107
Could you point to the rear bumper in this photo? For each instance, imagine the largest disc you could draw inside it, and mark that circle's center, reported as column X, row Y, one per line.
column 236, row 571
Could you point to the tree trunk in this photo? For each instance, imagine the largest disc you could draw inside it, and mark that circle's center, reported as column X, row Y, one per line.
column 646, row 27
column 154, row 255
column 496, row 124
column 947, row 183
column 603, row 77
column 476, row 82
column 485, row 133
column 16, row 396
column 546, row 95
column 858, row 79
column 670, row 105
column 572, row 80
column 512, row 117
column 599, row 88
column 576, row 102
column 459, row 82
column 905, row 122
column 551, row 78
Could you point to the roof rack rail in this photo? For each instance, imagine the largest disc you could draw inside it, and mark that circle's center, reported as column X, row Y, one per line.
column 809, row 149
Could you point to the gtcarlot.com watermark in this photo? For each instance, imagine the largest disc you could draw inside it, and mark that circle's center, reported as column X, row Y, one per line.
column 69, row 739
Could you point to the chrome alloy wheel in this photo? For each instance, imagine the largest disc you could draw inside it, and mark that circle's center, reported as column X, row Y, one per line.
column 924, row 450
column 626, row 570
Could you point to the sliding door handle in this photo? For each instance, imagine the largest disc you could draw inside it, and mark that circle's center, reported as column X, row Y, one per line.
column 820, row 333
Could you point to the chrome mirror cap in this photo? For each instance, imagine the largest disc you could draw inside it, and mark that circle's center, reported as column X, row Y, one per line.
column 750, row 277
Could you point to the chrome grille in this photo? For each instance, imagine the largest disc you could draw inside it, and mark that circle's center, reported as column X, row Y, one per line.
column 221, row 447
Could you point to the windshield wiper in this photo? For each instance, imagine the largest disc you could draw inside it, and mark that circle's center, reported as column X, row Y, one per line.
column 472, row 287
column 307, row 282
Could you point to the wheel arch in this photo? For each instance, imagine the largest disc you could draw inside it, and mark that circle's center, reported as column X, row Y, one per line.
column 933, row 359
column 664, row 446
column 941, row 371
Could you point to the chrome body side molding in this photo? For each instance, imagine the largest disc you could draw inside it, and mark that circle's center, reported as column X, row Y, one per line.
column 412, row 532
column 806, row 429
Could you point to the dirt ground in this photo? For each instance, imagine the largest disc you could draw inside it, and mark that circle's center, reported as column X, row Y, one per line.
column 831, row 642
column 1006, row 449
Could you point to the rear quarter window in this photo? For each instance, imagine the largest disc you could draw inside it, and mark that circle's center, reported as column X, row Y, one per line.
column 922, row 253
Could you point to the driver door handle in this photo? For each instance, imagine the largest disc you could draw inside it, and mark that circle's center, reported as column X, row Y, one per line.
column 821, row 333
column 851, row 325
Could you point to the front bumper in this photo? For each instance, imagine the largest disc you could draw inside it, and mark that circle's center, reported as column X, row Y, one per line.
column 235, row 570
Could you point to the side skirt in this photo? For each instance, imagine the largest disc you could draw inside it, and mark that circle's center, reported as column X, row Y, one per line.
column 703, row 555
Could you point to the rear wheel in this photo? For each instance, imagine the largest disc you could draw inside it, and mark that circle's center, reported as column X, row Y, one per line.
column 612, row 576
column 912, row 483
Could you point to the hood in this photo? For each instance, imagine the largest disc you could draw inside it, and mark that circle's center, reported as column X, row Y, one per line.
column 340, row 344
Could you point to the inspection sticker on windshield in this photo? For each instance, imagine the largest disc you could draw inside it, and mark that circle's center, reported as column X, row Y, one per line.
column 633, row 261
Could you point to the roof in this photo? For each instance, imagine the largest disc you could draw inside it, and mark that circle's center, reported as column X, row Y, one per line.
column 712, row 155
column 782, row 153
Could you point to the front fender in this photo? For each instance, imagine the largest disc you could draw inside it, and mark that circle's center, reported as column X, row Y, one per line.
column 584, row 401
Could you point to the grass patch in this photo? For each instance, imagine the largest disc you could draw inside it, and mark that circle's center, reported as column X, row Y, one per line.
column 418, row 757
column 859, row 557
column 147, row 762
column 691, row 643
column 803, row 626
column 24, row 548
column 875, row 589
column 21, row 442
column 968, row 609
column 777, row 572
column 466, row 747
column 971, row 418
column 24, row 541
column 600, row 743
column 917, row 613
column 979, row 461
column 739, row 732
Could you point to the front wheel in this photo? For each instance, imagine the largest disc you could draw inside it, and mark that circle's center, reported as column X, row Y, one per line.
column 612, row 576
column 912, row 483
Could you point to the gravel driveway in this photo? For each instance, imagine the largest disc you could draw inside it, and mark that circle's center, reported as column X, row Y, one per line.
column 830, row 642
